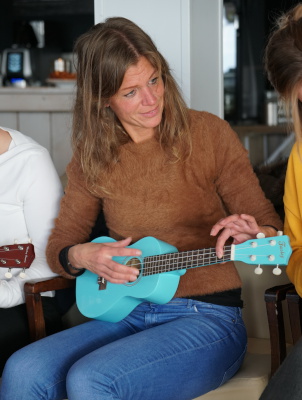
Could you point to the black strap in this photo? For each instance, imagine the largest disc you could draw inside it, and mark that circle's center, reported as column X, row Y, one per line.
column 63, row 257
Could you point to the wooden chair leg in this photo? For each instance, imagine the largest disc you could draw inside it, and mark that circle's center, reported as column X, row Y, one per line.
column 33, row 300
column 35, row 316
column 294, row 303
column 274, row 298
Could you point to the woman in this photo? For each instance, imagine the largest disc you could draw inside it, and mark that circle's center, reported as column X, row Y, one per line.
column 284, row 67
column 156, row 169
column 283, row 63
column 29, row 202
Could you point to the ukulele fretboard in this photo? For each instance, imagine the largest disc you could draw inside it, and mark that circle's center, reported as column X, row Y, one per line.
column 183, row 260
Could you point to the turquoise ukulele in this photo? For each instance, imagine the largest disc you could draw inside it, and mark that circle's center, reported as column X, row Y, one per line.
column 161, row 266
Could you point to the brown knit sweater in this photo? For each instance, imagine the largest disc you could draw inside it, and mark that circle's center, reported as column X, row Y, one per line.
column 175, row 202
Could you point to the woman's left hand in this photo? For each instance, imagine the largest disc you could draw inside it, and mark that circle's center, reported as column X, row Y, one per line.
column 239, row 227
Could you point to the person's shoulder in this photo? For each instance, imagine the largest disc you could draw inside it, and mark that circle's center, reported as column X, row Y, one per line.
column 20, row 138
column 24, row 143
column 205, row 118
column 295, row 157
column 205, row 124
column 296, row 153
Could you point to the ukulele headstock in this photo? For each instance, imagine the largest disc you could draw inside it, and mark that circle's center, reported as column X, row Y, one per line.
column 265, row 251
column 16, row 256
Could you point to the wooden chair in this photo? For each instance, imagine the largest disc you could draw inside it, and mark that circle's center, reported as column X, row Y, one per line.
column 33, row 290
column 274, row 298
column 294, row 303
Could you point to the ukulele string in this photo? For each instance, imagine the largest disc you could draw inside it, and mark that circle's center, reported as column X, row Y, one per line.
column 203, row 257
column 200, row 257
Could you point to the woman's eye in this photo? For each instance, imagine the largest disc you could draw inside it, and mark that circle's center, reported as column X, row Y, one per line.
column 154, row 81
column 130, row 94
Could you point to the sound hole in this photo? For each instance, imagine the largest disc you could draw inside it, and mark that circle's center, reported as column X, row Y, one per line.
column 134, row 263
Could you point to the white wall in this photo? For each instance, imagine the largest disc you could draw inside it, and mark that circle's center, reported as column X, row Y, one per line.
column 206, row 56
column 189, row 35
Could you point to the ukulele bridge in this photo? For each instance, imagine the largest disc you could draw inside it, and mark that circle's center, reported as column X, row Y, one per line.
column 102, row 283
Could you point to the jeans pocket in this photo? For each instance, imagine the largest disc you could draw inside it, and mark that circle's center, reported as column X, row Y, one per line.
column 232, row 315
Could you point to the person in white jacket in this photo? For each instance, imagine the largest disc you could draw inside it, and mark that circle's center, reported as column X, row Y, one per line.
column 30, row 193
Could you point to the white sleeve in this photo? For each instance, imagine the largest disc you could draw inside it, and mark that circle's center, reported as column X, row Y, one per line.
column 42, row 192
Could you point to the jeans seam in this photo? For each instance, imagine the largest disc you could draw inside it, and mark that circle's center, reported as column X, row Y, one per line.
column 241, row 355
column 54, row 384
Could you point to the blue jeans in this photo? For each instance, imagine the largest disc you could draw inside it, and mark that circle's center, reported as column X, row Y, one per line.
column 175, row 351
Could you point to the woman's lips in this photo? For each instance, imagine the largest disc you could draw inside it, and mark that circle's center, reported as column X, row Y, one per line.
column 151, row 113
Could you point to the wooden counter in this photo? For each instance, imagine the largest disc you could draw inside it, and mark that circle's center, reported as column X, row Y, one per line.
column 243, row 130
column 263, row 142
column 43, row 113
column 36, row 99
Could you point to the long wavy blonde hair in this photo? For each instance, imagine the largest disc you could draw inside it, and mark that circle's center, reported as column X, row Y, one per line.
column 283, row 63
column 104, row 54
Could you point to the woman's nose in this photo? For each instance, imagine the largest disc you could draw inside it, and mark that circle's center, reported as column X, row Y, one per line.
column 148, row 97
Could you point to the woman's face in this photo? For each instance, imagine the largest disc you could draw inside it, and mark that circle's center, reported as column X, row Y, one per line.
column 139, row 102
column 300, row 92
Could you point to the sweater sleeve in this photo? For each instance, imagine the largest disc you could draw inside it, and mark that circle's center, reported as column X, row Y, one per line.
column 78, row 213
column 237, row 184
column 293, row 217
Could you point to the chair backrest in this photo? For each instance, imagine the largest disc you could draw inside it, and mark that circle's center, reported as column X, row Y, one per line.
column 294, row 303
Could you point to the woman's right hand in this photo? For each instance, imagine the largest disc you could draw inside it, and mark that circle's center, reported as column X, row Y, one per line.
column 97, row 258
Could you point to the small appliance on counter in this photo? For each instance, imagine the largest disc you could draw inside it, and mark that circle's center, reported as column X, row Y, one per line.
column 16, row 67
column 62, row 76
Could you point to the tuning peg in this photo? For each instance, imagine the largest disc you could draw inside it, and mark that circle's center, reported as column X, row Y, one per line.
column 258, row 270
column 277, row 270
column 279, row 233
column 260, row 235
column 8, row 274
column 22, row 274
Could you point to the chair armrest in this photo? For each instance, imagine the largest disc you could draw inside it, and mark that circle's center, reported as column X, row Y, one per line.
column 294, row 303
column 274, row 297
column 55, row 283
column 35, row 315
